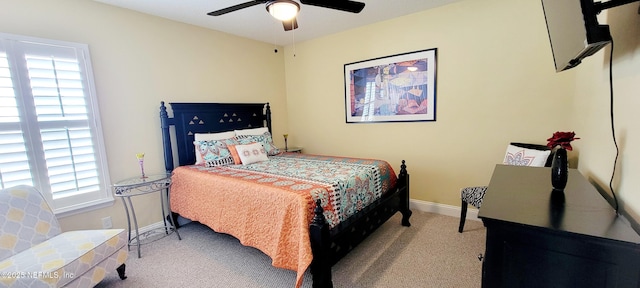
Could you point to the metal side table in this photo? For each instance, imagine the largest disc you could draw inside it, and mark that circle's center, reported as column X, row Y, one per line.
column 131, row 187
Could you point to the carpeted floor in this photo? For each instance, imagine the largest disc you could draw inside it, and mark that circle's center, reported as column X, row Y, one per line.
column 430, row 253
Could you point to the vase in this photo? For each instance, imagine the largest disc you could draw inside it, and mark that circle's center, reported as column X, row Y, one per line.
column 559, row 169
column 141, row 162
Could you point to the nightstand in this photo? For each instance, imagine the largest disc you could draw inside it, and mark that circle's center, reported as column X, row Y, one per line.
column 131, row 187
column 292, row 149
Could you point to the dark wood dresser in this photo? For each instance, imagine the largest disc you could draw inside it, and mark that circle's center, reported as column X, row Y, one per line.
column 536, row 238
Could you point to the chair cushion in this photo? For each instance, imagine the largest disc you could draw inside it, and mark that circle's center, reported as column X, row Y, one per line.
column 65, row 257
column 473, row 195
column 520, row 156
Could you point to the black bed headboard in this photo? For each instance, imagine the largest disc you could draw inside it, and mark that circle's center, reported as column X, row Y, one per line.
column 191, row 118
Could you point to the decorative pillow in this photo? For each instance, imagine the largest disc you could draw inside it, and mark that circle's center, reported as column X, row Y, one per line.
column 252, row 131
column 264, row 139
column 215, row 152
column 519, row 156
column 210, row 136
column 234, row 154
column 251, row 153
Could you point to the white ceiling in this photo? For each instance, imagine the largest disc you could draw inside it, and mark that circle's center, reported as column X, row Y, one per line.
column 256, row 23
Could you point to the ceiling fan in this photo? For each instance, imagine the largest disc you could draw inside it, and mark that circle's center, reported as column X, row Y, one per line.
column 286, row 10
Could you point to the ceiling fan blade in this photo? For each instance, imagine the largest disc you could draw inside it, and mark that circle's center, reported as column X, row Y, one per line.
column 236, row 7
column 343, row 5
column 290, row 25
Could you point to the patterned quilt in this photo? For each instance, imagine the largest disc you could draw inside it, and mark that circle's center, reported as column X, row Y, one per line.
column 344, row 185
column 269, row 205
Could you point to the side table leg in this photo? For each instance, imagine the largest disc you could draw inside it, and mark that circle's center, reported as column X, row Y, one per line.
column 173, row 223
column 126, row 209
column 164, row 213
column 135, row 222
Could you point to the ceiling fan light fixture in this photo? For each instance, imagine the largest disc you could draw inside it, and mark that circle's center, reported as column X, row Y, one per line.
column 283, row 10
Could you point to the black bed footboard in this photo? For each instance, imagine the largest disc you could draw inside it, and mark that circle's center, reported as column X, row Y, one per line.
column 329, row 246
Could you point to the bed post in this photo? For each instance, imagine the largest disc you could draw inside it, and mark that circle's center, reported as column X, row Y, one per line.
column 166, row 140
column 320, row 241
column 268, row 117
column 403, row 179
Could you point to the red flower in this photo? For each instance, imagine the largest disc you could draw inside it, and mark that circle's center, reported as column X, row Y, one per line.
column 563, row 139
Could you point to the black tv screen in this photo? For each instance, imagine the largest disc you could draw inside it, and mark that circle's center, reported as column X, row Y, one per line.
column 574, row 31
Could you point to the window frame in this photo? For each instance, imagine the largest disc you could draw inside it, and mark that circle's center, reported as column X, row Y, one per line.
column 16, row 47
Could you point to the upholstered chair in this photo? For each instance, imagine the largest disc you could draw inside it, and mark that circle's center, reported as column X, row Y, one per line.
column 519, row 154
column 34, row 252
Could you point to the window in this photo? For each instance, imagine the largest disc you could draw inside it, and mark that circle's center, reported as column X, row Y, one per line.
column 50, row 132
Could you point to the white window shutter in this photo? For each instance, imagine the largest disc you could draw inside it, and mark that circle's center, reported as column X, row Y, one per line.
column 14, row 163
column 51, row 127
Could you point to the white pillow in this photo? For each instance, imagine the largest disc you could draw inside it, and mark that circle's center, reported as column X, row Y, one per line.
column 251, row 153
column 265, row 139
column 207, row 137
column 214, row 136
column 252, row 131
column 519, row 156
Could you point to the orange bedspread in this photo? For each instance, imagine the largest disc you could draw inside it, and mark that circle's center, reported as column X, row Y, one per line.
column 281, row 232
column 272, row 211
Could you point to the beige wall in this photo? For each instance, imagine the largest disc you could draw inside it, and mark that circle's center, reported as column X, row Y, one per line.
column 140, row 60
column 590, row 113
column 495, row 84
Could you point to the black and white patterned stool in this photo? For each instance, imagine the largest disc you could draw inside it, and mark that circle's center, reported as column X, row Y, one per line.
column 519, row 154
column 473, row 196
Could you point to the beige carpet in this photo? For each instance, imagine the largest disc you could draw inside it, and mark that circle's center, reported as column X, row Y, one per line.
column 430, row 253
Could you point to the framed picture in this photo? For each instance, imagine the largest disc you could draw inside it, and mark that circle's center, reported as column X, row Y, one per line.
column 397, row 88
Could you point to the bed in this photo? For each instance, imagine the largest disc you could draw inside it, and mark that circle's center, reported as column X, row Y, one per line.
column 269, row 205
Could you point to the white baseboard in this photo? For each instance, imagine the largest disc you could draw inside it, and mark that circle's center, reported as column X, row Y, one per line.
column 424, row 206
column 443, row 209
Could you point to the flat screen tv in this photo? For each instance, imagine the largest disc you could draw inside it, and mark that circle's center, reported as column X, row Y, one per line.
column 574, row 31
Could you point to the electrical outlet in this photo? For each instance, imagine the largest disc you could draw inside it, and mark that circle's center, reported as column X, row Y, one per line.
column 106, row 222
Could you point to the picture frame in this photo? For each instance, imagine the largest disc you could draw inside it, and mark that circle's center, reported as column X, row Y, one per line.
column 396, row 88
